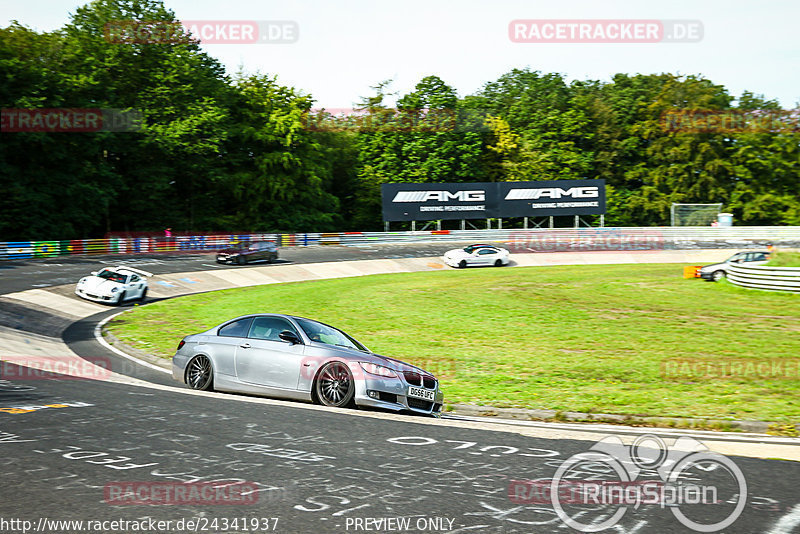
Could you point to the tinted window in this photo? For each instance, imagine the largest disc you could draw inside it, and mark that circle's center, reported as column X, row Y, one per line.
column 134, row 278
column 487, row 251
column 269, row 328
column 329, row 335
column 237, row 328
column 111, row 275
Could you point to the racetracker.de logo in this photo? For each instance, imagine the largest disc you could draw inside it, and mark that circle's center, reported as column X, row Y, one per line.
column 226, row 493
column 50, row 367
column 71, row 120
column 205, row 31
column 604, row 31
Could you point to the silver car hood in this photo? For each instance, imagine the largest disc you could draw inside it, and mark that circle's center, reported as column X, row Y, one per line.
column 369, row 357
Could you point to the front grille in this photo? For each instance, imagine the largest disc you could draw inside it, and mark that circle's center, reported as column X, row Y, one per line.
column 416, row 379
column 419, row 404
column 413, row 378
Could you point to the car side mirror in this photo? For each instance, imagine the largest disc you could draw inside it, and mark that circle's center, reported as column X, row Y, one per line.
column 290, row 337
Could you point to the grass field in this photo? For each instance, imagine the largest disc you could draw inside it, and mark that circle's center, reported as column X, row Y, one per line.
column 785, row 258
column 602, row 339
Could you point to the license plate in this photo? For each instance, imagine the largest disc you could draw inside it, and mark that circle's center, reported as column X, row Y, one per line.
column 420, row 393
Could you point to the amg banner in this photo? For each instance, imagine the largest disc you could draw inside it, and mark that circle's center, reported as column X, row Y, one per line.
column 484, row 200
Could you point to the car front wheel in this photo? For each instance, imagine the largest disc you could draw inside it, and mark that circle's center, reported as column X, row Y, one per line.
column 462, row 264
column 240, row 260
column 718, row 275
column 121, row 298
column 335, row 386
column 200, row 374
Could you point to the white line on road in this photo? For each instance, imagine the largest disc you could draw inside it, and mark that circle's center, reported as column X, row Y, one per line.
column 787, row 523
column 98, row 335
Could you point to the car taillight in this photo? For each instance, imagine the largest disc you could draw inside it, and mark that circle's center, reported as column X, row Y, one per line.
column 181, row 344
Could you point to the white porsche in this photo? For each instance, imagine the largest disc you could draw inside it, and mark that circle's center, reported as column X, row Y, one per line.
column 114, row 285
column 476, row 255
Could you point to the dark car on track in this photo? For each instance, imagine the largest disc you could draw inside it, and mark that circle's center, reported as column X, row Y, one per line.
column 249, row 252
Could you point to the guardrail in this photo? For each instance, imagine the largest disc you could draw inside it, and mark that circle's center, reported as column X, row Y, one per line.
column 517, row 240
column 764, row 277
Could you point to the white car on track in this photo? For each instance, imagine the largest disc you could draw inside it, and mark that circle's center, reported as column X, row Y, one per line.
column 478, row 254
column 114, row 285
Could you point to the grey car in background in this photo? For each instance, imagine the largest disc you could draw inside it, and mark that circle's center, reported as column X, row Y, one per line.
column 718, row 271
column 296, row 358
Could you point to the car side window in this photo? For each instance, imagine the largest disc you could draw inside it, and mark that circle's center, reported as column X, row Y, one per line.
column 236, row 329
column 486, row 251
column 134, row 278
column 759, row 256
column 269, row 328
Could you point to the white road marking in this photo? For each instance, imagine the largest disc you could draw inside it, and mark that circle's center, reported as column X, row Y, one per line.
column 787, row 523
column 99, row 337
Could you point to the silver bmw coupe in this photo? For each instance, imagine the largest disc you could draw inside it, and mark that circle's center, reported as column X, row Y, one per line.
column 295, row 358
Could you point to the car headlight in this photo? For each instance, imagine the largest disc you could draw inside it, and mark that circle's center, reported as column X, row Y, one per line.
column 378, row 370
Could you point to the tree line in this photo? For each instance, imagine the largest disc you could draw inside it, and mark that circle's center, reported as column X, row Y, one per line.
column 243, row 152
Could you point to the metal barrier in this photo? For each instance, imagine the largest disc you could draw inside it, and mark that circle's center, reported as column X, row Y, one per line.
column 764, row 277
column 517, row 240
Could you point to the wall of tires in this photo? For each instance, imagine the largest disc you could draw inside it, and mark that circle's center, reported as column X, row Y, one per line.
column 766, row 278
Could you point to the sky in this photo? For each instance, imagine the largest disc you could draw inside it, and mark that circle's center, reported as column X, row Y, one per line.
column 344, row 47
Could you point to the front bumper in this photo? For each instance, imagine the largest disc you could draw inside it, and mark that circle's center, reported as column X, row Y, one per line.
column 95, row 297
column 706, row 276
column 392, row 394
column 452, row 262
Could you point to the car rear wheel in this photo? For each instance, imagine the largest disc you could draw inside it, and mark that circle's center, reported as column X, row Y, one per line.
column 335, row 386
column 718, row 275
column 241, row 260
column 462, row 264
column 498, row 263
column 144, row 295
column 200, row 374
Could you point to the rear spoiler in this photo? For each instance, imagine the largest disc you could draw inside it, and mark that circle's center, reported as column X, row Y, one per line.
column 133, row 270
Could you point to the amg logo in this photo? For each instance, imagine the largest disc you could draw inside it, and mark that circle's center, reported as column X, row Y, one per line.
column 553, row 192
column 440, row 196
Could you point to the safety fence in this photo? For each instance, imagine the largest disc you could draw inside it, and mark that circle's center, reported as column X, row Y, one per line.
column 762, row 277
column 517, row 240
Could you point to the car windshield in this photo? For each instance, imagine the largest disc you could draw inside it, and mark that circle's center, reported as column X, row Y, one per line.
column 111, row 275
column 329, row 335
column 472, row 248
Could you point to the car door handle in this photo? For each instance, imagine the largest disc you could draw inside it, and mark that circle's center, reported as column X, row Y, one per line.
column 245, row 345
